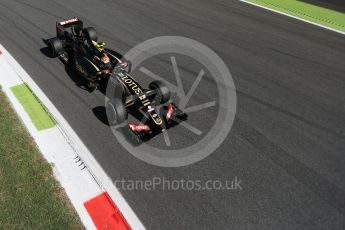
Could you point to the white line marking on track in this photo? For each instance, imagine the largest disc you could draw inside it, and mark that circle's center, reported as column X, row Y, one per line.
column 295, row 17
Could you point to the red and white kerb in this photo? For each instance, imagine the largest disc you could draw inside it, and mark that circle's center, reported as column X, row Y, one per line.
column 105, row 214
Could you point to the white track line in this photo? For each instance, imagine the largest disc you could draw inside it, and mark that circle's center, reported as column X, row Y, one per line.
column 295, row 17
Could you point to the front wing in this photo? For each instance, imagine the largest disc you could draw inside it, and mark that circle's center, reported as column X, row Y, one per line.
column 172, row 116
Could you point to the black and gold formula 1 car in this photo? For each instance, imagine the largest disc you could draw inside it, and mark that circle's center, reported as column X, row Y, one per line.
column 78, row 47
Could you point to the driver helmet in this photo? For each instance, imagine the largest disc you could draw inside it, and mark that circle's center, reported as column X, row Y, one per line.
column 105, row 59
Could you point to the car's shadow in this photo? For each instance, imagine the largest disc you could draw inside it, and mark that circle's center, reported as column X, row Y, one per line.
column 45, row 50
column 101, row 114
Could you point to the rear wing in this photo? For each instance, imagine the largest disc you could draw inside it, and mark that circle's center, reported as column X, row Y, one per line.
column 61, row 26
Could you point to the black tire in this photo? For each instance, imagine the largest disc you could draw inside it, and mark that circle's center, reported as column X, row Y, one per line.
column 163, row 92
column 91, row 33
column 56, row 47
column 116, row 112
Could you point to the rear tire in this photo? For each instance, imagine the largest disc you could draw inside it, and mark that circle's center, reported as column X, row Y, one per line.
column 163, row 92
column 55, row 46
column 116, row 112
column 91, row 33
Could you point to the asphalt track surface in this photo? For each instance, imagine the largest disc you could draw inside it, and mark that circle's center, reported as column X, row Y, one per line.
column 287, row 144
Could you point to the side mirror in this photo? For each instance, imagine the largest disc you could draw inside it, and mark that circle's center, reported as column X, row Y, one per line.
column 126, row 65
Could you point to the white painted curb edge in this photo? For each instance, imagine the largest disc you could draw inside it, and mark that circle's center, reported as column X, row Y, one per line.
column 295, row 17
column 91, row 181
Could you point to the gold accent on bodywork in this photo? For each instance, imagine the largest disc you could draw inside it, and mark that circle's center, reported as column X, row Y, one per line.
column 97, row 69
column 118, row 60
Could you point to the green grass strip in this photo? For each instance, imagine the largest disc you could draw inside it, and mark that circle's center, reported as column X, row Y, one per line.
column 30, row 197
column 32, row 105
column 309, row 12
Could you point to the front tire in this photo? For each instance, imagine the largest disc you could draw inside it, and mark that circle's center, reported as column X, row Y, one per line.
column 162, row 92
column 116, row 112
